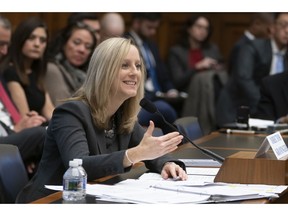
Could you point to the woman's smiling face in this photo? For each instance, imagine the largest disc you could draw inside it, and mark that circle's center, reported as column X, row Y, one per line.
column 128, row 80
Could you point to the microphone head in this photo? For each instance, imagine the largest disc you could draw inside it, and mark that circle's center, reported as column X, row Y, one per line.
column 148, row 105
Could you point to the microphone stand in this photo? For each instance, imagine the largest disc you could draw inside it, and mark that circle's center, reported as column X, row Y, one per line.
column 203, row 150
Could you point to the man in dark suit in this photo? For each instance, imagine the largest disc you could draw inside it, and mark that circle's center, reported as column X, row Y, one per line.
column 144, row 27
column 259, row 27
column 273, row 104
column 255, row 61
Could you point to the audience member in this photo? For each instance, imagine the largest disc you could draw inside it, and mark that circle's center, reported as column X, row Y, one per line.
column 25, row 68
column 259, row 27
column 255, row 60
column 68, row 60
column 103, row 130
column 144, row 26
column 5, row 34
column 21, row 132
column 195, row 53
column 196, row 67
column 112, row 25
column 273, row 104
column 90, row 19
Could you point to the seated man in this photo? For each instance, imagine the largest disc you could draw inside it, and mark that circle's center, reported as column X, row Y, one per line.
column 257, row 59
column 273, row 104
column 26, row 133
column 112, row 25
column 158, row 84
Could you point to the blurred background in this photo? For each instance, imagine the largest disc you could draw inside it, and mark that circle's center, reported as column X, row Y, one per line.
column 227, row 27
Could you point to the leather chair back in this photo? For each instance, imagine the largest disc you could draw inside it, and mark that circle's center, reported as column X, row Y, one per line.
column 13, row 175
column 189, row 126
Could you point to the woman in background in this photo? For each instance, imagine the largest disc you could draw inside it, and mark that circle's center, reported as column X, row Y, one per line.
column 194, row 53
column 69, row 56
column 25, row 68
column 196, row 68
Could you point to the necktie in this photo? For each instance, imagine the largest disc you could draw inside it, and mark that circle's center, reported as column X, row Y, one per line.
column 150, row 68
column 9, row 105
column 3, row 132
column 279, row 63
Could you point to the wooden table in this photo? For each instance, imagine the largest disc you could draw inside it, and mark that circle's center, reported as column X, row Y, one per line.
column 222, row 144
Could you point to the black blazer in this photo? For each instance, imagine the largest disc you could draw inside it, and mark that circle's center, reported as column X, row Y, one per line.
column 273, row 103
column 178, row 64
column 251, row 66
column 72, row 134
column 235, row 51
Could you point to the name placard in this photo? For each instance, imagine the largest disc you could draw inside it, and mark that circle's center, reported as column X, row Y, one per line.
column 276, row 142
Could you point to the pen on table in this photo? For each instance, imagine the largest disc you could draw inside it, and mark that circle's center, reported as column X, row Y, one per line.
column 283, row 131
column 181, row 189
column 176, row 178
column 235, row 131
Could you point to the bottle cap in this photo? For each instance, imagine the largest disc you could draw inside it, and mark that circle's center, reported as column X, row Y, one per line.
column 73, row 163
column 79, row 161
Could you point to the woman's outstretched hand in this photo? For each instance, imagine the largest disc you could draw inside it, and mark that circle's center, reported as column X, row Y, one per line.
column 153, row 147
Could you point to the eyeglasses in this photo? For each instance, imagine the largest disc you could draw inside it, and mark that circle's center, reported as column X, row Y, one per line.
column 4, row 43
column 282, row 24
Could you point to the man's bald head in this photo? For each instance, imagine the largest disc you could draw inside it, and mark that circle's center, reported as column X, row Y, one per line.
column 112, row 25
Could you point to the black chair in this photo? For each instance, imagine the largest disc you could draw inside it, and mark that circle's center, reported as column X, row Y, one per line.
column 157, row 132
column 13, row 175
column 190, row 127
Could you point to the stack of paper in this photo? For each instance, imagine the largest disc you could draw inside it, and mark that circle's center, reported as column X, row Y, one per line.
column 199, row 188
column 260, row 123
column 201, row 162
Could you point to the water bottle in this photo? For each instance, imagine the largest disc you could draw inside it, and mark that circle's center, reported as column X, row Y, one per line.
column 84, row 175
column 73, row 183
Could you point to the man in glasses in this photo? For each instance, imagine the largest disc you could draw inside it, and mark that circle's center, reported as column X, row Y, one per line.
column 5, row 35
column 256, row 60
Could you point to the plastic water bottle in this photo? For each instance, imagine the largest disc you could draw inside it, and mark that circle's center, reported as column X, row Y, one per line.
column 73, row 183
column 83, row 173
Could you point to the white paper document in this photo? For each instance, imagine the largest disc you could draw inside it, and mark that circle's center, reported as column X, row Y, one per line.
column 200, row 163
column 201, row 171
column 135, row 191
column 260, row 123
column 196, row 180
column 199, row 188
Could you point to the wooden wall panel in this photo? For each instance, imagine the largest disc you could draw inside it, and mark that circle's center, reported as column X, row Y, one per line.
column 227, row 27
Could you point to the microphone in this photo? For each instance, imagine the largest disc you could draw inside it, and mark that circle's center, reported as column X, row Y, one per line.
column 150, row 107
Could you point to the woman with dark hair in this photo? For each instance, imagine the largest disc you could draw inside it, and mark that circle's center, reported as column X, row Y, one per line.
column 196, row 68
column 194, row 53
column 68, row 60
column 25, row 68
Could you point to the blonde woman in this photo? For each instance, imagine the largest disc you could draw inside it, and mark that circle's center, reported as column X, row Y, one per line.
column 100, row 125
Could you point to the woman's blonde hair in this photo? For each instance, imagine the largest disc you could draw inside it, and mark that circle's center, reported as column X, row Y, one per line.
column 103, row 69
